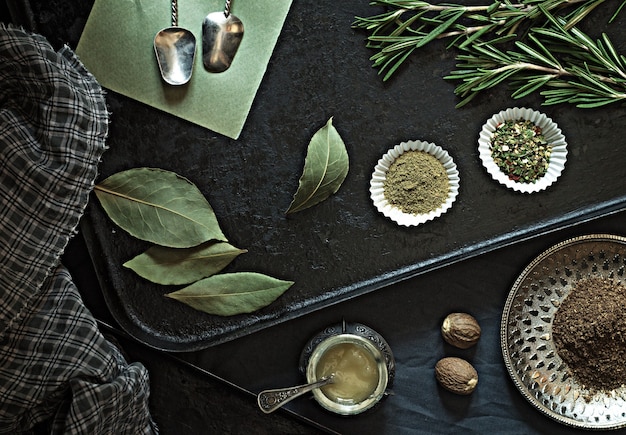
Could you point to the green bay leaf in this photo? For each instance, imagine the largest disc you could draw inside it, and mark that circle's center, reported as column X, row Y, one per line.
column 177, row 266
column 159, row 206
column 325, row 168
column 228, row 294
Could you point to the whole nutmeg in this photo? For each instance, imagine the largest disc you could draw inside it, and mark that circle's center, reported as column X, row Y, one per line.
column 456, row 375
column 460, row 330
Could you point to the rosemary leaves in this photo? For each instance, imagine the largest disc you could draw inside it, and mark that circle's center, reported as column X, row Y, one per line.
column 535, row 45
column 520, row 150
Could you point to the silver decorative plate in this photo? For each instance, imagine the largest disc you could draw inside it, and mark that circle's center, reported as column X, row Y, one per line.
column 529, row 353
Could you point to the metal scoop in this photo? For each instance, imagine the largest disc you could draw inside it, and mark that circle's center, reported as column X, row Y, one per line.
column 175, row 50
column 221, row 35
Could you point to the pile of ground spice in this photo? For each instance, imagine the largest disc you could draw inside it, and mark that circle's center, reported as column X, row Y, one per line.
column 416, row 183
column 589, row 332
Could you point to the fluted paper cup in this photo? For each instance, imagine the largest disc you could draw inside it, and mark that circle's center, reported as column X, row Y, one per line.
column 551, row 133
column 377, row 190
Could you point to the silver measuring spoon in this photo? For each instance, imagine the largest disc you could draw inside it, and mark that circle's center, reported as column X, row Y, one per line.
column 175, row 50
column 271, row 400
column 222, row 33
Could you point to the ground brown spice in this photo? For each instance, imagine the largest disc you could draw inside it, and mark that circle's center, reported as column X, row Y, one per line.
column 589, row 332
column 416, row 183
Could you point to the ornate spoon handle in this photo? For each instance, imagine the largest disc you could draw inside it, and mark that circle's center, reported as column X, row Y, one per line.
column 271, row 400
column 174, row 13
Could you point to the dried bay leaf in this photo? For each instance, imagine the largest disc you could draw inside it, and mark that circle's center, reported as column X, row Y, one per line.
column 160, row 207
column 177, row 266
column 228, row 294
column 325, row 168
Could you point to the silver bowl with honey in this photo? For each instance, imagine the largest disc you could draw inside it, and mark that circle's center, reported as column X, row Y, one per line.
column 357, row 358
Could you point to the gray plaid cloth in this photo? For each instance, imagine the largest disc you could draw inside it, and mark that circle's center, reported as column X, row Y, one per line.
column 55, row 366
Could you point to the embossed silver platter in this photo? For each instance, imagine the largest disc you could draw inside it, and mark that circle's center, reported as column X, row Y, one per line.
column 530, row 355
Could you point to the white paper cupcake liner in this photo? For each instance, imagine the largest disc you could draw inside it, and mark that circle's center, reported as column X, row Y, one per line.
column 551, row 133
column 377, row 191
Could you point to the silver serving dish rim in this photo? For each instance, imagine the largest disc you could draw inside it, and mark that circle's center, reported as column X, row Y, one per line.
column 540, row 387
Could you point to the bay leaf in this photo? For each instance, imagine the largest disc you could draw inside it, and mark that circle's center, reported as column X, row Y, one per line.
column 228, row 294
column 177, row 266
column 159, row 206
column 325, row 168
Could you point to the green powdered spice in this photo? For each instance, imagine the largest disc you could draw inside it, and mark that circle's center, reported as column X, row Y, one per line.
column 416, row 183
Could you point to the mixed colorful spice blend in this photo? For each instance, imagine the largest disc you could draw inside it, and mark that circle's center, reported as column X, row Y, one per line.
column 416, row 183
column 520, row 150
column 589, row 332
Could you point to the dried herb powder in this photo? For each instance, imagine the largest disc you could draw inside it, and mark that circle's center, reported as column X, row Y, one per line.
column 416, row 183
column 520, row 150
column 589, row 332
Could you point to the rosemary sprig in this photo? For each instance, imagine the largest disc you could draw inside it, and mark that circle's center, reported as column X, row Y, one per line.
column 589, row 74
column 547, row 49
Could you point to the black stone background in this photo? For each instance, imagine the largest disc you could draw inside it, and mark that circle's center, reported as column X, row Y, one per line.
column 344, row 247
column 407, row 314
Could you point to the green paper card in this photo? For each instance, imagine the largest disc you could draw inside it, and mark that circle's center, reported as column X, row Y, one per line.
column 117, row 47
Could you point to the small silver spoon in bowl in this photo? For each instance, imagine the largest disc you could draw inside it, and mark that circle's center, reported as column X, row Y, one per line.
column 271, row 400
column 175, row 50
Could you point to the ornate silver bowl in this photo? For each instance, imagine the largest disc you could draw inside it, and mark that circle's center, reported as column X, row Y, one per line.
column 529, row 352
column 359, row 335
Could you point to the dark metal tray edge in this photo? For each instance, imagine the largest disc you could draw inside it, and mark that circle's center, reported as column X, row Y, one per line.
column 134, row 329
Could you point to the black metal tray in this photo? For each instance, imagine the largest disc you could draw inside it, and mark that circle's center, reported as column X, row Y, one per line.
column 343, row 247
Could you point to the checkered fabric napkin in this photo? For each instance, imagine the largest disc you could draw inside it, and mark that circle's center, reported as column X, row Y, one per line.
column 55, row 366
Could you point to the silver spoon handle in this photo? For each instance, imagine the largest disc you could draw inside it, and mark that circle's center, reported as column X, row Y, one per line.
column 227, row 8
column 174, row 13
column 271, row 400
